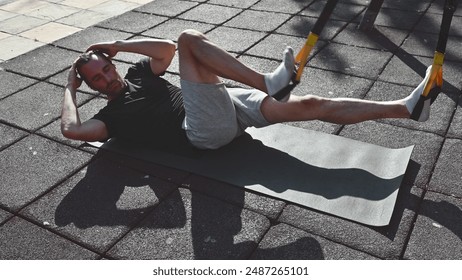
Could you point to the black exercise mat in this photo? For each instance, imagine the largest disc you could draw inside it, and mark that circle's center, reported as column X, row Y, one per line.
column 340, row 176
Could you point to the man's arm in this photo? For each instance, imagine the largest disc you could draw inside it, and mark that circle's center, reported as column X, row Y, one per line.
column 71, row 127
column 161, row 52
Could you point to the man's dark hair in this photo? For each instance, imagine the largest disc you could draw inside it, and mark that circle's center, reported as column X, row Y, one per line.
column 85, row 58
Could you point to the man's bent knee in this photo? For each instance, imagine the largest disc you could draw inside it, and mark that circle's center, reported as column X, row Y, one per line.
column 189, row 37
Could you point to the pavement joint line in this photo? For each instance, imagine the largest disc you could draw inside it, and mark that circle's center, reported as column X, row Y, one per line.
column 56, row 232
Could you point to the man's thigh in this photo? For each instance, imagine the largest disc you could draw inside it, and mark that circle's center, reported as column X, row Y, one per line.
column 211, row 120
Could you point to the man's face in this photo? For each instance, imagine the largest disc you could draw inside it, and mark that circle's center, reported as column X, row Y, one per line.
column 101, row 75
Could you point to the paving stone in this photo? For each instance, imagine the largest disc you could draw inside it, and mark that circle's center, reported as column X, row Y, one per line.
column 384, row 242
column 258, row 20
column 173, row 28
column 175, row 176
column 84, row 19
column 21, row 240
column 9, row 135
column 192, row 226
column 437, row 8
column 115, row 7
column 82, row 40
column 99, row 204
column 20, row 24
column 267, row 206
column 32, row 166
column 447, row 175
column 331, row 85
column 423, row 157
column 12, row 83
column 406, row 69
column 273, row 46
column 455, row 130
column 233, row 40
column 86, row 112
column 424, row 44
column 381, row 38
column 437, row 232
column 276, row 6
column 215, row 14
column 234, row 3
column 41, row 103
column 441, row 110
column 124, row 22
column 397, row 18
column 301, row 26
column 431, row 23
column 4, row 216
column 166, row 7
column 284, row 242
column 342, row 11
column 47, row 60
column 350, row 60
column 408, row 5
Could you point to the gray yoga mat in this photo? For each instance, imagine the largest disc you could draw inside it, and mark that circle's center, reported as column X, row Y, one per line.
column 347, row 178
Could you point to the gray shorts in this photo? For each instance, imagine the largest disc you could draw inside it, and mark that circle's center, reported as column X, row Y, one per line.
column 215, row 115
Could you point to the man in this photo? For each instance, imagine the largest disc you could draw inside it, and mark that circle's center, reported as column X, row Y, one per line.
column 145, row 108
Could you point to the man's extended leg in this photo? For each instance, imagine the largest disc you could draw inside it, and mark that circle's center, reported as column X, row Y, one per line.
column 341, row 110
column 201, row 61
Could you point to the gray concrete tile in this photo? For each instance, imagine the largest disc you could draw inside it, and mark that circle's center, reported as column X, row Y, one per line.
column 20, row 24
column 441, row 110
column 258, row 20
column 12, row 83
column 267, row 206
column 40, row 110
column 32, row 166
column 384, row 242
column 424, row 44
column 22, row 240
column 82, row 40
column 174, row 176
column 234, row 40
column 273, row 46
column 166, row 7
column 381, row 38
column 172, row 29
column 124, row 22
column 234, row 3
column 408, row 5
column 215, row 14
column 397, row 18
column 276, row 6
column 447, row 174
column 301, row 26
column 437, row 8
column 284, row 242
column 431, row 22
column 192, row 226
column 4, row 216
column 99, row 204
column 46, row 61
column 423, row 157
column 406, row 69
column 86, row 112
column 83, row 19
column 350, row 60
column 9, row 135
column 455, row 130
column 342, row 11
column 438, row 232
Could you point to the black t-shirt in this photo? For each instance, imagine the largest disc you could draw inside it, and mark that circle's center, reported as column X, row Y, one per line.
column 151, row 112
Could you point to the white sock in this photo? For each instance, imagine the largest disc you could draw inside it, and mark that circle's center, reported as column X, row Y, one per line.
column 281, row 77
column 414, row 97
